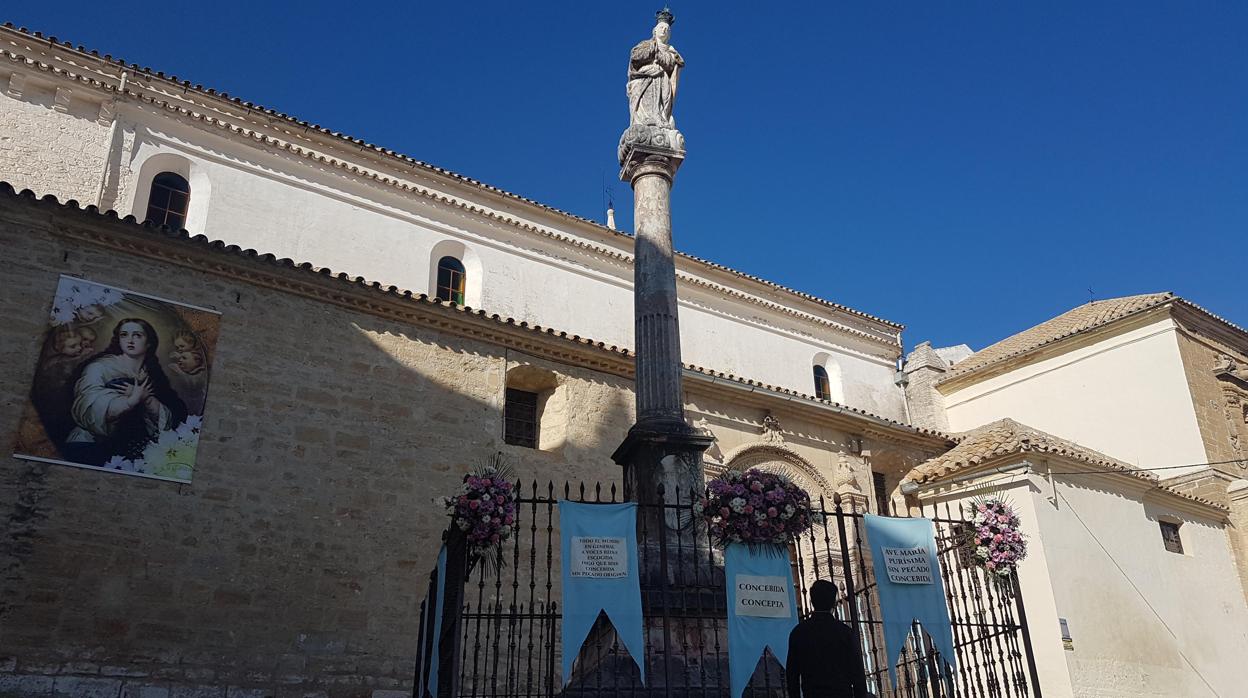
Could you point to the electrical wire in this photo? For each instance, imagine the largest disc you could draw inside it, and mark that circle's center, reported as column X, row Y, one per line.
column 1143, row 598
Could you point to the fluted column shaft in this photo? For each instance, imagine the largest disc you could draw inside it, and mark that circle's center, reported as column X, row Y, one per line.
column 656, row 323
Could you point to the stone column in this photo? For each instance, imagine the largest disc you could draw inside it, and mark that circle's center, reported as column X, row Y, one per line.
column 656, row 324
column 661, row 447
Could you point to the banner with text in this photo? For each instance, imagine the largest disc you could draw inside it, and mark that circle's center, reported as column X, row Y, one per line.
column 435, row 608
column 907, row 573
column 599, row 549
column 762, row 608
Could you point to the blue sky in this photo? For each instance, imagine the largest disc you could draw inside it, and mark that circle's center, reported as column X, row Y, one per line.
column 965, row 168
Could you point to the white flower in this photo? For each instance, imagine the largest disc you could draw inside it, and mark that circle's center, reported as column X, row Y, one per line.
column 62, row 313
column 170, row 456
column 737, row 504
column 188, row 430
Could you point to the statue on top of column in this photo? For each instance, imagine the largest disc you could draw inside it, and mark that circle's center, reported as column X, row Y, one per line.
column 653, row 74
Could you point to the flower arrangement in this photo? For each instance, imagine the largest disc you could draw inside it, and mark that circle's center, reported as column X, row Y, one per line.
column 996, row 543
column 485, row 510
column 755, row 507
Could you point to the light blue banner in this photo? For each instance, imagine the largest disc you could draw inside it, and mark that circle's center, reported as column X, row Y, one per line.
column 599, row 562
column 907, row 573
column 440, row 597
column 762, row 608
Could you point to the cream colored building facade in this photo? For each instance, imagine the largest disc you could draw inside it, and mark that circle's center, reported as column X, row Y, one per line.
column 1139, row 619
column 1148, row 569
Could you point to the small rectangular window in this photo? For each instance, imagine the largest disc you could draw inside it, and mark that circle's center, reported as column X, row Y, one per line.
column 880, row 484
column 1170, row 536
column 520, row 418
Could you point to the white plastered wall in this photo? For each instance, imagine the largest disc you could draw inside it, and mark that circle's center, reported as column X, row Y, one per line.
column 46, row 150
column 1125, row 396
column 1144, row 621
column 283, row 205
column 1034, row 577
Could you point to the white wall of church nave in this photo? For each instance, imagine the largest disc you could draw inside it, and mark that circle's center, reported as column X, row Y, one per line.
column 280, row 204
column 1126, row 396
column 48, row 151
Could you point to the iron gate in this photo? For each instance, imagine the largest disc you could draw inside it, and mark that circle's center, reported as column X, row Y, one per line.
column 500, row 623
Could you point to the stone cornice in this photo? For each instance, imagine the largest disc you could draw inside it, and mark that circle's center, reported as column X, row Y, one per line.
column 217, row 110
column 107, row 230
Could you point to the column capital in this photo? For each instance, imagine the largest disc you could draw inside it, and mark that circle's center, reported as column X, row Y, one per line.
column 650, row 150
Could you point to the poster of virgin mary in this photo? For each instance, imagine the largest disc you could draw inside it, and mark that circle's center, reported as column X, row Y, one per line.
column 121, row 383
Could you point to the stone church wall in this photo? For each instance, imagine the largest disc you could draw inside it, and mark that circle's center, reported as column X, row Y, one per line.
column 295, row 561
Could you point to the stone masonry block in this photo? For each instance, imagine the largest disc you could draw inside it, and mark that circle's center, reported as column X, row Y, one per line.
column 144, row 691
column 24, row 686
column 82, row 687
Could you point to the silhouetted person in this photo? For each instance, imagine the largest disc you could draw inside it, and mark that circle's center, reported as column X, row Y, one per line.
column 823, row 658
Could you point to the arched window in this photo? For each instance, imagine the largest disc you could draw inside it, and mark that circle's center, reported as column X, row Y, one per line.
column 823, row 387
column 451, row 280
column 169, row 199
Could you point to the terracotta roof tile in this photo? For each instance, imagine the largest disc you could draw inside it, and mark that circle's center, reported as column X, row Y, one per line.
column 1071, row 322
column 7, row 190
column 1006, row 437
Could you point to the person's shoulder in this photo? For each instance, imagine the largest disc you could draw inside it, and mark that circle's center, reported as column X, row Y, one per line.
column 842, row 628
column 100, row 365
column 803, row 627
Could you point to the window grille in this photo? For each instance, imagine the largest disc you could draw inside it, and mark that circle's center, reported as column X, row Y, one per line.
column 168, row 200
column 451, row 280
column 520, row 418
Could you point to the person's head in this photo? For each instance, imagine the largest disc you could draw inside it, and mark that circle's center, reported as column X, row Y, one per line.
column 88, row 336
column 188, row 362
column 822, row 596
column 662, row 32
column 68, row 342
column 89, row 313
column 184, row 341
column 134, row 338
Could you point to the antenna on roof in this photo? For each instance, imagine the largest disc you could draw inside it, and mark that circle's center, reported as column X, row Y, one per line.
column 609, row 199
column 1091, row 295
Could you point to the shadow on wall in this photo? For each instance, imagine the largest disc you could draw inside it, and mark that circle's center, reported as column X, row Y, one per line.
column 303, row 543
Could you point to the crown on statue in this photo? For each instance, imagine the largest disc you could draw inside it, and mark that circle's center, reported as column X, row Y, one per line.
column 664, row 15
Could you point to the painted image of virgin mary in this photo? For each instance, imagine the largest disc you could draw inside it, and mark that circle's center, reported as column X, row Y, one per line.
column 122, row 400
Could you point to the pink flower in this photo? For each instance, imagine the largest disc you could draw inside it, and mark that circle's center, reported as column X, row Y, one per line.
column 473, row 504
column 771, row 511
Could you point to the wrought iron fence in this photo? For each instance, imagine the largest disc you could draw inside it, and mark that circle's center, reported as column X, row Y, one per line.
column 500, row 623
